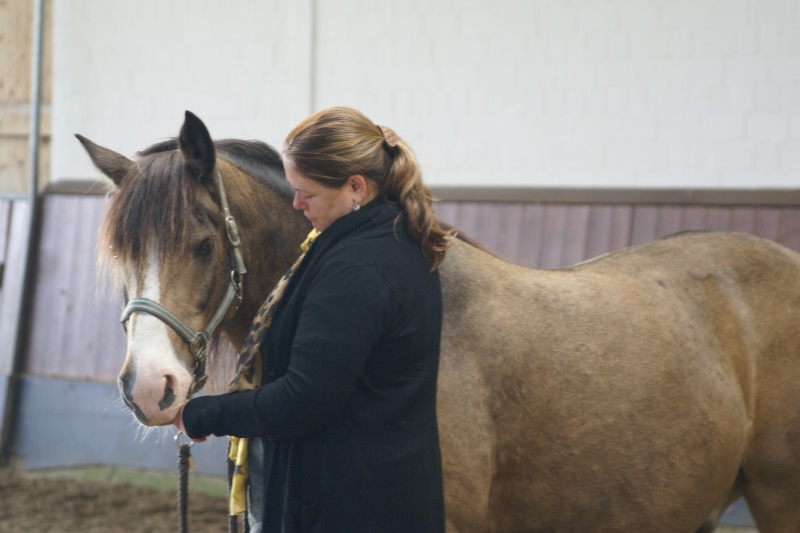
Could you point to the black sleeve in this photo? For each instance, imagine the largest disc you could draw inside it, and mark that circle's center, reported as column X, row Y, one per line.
column 341, row 320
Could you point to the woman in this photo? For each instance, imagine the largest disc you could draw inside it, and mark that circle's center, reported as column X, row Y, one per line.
column 343, row 425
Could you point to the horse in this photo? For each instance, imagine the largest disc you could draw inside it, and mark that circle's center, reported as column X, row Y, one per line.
column 644, row 390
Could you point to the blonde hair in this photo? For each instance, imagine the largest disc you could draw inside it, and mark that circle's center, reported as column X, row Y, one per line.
column 339, row 142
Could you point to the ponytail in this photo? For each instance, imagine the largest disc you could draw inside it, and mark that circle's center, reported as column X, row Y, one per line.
column 338, row 142
column 404, row 186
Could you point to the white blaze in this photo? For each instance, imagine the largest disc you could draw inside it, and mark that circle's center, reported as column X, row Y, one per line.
column 153, row 356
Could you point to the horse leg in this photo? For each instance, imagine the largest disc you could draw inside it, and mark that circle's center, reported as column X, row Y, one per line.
column 771, row 463
column 466, row 436
column 775, row 510
column 711, row 523
column 775, row 503
column 772, row 473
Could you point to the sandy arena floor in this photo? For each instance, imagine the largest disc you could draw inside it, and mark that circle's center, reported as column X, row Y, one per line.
column 47, row 504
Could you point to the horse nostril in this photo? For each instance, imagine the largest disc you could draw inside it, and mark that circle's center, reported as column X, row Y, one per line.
column 169, row 392
column 125, row 382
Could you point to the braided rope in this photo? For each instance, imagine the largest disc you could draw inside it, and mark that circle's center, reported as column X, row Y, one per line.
column 183, row 484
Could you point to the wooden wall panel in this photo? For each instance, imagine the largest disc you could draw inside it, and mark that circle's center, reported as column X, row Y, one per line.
column 529, row 244
column 717, row 218
column 61, row 423
column 789, row 232
column 643, row 224
column 609, row 229
column 553, row 229
column 766, row 223
column 75, row 330
column 742, row 219
column 558, row 235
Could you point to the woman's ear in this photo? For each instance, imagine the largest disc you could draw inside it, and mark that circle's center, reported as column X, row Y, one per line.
column 364, row 190
column 357, row 184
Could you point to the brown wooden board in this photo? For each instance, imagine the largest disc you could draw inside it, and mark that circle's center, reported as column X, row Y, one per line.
column 75, row 331
column 560, row 235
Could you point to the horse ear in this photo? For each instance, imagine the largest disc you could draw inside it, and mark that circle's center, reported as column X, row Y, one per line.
column 197, row 148
column 110, row 163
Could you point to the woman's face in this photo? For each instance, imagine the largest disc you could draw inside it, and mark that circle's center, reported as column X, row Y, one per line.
column 320, row 204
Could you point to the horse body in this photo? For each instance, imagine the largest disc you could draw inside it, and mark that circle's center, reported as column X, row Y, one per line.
column 616, row 395
column 644, row 390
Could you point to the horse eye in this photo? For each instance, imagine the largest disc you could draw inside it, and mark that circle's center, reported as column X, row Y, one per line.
column 204, row 248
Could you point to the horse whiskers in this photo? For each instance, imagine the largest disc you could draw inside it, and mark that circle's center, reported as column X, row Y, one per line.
column 142, row 433
column 117, row 405
column 162, row 434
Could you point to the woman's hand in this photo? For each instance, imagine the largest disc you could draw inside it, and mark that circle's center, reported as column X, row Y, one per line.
column 178, row 422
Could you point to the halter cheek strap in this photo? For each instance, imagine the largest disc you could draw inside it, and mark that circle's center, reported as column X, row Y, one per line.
column 197, row 340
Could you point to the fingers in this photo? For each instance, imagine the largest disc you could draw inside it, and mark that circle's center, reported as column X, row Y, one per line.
column 178, row 423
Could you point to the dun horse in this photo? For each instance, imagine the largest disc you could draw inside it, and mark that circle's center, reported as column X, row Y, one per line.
column 641, row 391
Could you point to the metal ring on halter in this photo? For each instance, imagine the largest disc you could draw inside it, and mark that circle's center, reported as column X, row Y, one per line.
column 177, row 440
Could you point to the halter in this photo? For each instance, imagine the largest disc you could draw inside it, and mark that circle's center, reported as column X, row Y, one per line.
column 197, row 340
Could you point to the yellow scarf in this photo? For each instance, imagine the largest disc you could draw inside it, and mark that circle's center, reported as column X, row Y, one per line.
column 248, row 377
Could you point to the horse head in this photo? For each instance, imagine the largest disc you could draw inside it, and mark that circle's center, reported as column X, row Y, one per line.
column 180, row 252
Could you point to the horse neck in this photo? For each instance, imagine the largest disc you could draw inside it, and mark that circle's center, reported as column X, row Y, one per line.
column 271, row 232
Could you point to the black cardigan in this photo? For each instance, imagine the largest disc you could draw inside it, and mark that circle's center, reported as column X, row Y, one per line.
column 348, row 405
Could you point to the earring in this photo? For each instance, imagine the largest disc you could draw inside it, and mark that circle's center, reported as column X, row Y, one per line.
column 356, row 206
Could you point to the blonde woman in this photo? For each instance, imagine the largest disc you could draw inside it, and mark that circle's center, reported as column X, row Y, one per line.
column 342, row 425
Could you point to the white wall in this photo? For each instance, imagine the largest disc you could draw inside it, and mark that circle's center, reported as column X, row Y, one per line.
column 125, row 71
column 586, row 93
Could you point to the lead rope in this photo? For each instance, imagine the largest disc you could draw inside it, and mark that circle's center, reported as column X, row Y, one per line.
column 184, row 463
column 184, row 466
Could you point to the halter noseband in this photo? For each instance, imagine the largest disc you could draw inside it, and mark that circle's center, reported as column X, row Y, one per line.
column 197, row 340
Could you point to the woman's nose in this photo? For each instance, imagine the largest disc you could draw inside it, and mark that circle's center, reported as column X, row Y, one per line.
column 298, row 203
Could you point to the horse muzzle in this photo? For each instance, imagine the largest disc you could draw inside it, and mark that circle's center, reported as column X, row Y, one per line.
column 154, row 401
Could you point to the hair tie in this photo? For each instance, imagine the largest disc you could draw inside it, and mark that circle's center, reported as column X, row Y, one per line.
column 389, row 136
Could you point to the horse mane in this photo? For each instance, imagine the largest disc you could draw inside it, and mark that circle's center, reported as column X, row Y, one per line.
column 150, row 208
column 255, row 158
